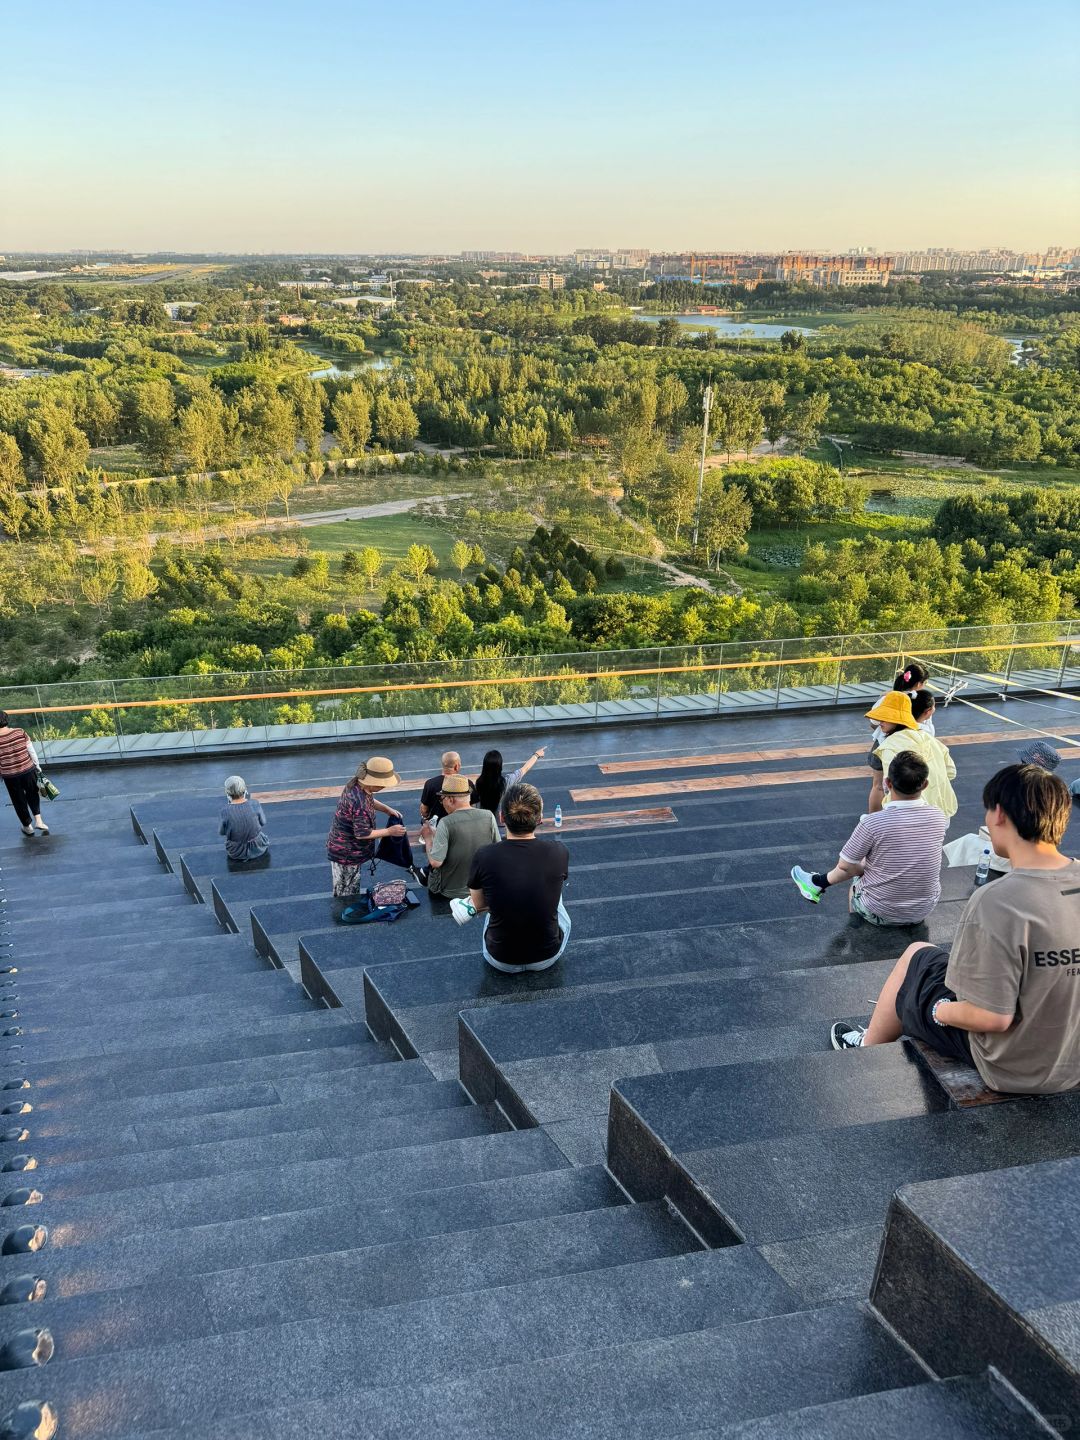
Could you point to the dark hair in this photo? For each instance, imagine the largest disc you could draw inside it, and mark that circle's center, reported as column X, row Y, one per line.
column 490, row 783
column 1037, row 803
column 908, row 773
column 4, row 718
column 915, row 674
column 922, row 702
column 522, row 808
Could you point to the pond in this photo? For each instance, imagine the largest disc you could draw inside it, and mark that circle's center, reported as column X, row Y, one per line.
column 729, row 328
column 349, row 368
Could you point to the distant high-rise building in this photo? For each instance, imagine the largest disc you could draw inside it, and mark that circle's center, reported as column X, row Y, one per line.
column 611, row 259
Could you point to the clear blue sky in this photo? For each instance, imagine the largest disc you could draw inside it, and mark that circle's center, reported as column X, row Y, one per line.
column 538, row 124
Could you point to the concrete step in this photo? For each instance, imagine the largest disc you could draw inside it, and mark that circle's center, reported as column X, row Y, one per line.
column 55, row 1115
column 547, row 1062
column 625, row 909
column 76, row 1044
column 83, row 904
column 350, row 1134
column 122, row 977
column 977, row 1408
column 270, row 992
column 608, row 1391
column 433, row 1341
column 226, row 1125
column 415, row 1005
column 90, row 1263
column 306, row 1185
column 1011, row 1300
column 128, row 952
column 303, row 1033
column 830, row 1179
column 199, row 865
column 186, row 920
column 365, row 1280
column 659, row 1123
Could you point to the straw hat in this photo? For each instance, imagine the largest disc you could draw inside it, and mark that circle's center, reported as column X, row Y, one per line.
column 455, row 785
column 894, row 708
column 380, row 771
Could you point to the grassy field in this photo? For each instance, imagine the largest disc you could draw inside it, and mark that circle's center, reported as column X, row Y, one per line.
column 121, row 461
column 390, row 534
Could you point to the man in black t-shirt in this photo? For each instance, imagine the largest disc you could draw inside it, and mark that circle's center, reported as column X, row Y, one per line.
column 431, row 806
column 518, row 886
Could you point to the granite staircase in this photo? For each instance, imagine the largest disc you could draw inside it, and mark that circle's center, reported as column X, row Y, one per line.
column 634, row 1196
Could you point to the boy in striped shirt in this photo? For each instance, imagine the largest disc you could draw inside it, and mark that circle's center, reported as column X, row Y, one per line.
column 893, row 857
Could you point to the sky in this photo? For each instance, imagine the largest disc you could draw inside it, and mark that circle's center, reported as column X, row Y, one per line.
column 538, row 125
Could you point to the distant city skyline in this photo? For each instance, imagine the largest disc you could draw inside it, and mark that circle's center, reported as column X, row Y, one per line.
column 342, row 129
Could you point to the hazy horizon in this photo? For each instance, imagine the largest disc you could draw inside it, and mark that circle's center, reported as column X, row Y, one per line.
column 254, row 129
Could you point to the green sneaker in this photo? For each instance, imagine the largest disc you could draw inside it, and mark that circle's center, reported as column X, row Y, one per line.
column 805, row 881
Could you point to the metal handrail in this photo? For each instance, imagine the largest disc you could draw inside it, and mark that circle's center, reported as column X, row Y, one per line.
column 763, row 662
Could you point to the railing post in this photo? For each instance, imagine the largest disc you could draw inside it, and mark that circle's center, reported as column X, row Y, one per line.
column 779, row 675
column 659, row 677
column 839, row 670
column 900, row 653
column 1008, row 665
column 719, row 678
column 118, row 724
column 1066, row 650
column 41, row 718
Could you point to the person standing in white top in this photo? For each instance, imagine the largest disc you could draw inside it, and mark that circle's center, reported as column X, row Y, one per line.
column 923, row 706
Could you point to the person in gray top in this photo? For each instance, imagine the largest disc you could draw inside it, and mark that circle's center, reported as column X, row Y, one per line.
column 243, row 824
column 459, row 835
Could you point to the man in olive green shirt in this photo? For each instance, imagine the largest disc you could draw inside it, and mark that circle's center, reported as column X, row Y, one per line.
column 1007, row 996
column 461, row 832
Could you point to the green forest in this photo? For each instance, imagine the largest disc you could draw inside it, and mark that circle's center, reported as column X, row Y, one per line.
column 180, row 463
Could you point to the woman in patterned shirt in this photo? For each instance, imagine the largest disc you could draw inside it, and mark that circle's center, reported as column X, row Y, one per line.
column 18, row 770
column 352, row 837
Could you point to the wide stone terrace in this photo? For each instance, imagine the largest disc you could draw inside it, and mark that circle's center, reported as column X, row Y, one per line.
column 273, row 1177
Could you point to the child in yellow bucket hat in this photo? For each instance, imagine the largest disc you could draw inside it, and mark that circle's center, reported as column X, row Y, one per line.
column 901, row 731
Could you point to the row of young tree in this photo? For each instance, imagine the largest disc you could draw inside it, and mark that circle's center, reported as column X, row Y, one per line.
column 206, row 616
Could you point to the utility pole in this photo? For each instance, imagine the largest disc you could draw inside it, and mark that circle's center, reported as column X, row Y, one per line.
column 706, row 406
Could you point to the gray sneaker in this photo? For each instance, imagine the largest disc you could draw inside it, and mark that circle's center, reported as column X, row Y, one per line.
column 805, row 881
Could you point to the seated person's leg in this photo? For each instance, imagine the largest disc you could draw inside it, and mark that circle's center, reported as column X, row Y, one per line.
column 858, row 906
column 885, row 1024
column 496, row 964
column 922, row 987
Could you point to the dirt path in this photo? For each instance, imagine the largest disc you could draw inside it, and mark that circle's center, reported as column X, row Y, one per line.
column 679, row 577
column 308, row 518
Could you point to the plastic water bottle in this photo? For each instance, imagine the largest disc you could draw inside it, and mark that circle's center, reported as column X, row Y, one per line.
column 558, row 817
column 982, row 874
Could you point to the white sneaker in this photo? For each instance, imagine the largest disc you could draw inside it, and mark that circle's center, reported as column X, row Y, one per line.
column 462, row 910
column 27, row 830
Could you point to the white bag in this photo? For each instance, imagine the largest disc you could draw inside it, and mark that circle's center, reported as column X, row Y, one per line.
column 968, row 850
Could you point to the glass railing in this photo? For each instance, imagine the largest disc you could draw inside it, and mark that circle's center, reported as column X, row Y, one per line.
column 159, row 714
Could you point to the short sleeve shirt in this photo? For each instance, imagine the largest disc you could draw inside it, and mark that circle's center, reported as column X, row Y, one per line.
column 431, row 799
column 457, row 839
column 1017, row 952
column 522, row 882
column 900, row 851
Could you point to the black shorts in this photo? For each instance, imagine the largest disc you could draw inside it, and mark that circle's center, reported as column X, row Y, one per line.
column 924, row 984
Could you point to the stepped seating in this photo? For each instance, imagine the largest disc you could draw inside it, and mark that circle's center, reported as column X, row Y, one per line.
column 1009, row 1300
column 275, row 1211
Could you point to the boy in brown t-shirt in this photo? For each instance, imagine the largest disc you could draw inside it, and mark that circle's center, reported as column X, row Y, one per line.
column 1007, row 997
